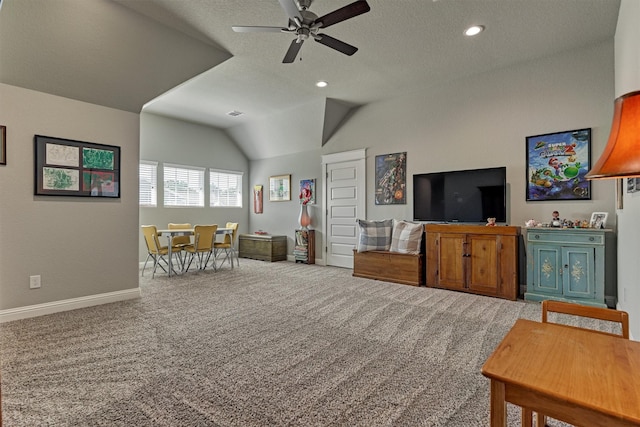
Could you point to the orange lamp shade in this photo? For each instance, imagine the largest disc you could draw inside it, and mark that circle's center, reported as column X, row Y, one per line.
column 621, row 156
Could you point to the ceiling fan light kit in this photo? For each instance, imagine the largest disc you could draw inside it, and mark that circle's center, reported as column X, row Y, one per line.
column 304, row 24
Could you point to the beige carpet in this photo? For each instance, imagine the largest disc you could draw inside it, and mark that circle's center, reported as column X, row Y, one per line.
column 266, row 344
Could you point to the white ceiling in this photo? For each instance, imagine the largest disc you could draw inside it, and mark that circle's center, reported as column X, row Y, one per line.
column 404, row 46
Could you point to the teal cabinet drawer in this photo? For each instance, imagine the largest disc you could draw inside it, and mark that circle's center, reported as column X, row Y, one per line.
column 568, row 237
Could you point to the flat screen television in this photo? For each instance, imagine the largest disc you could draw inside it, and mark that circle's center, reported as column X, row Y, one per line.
column 461, row 196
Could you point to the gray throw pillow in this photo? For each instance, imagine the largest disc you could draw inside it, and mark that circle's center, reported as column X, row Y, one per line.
column 374, row 235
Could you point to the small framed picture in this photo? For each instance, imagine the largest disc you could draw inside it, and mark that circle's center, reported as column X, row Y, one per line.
column 598, row 220
column 279, row 188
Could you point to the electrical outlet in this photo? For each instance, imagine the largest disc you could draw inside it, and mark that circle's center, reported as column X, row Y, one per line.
column 34, row 282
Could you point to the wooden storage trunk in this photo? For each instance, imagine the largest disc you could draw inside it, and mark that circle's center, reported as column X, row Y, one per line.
column 263, row 247
column 394, row 267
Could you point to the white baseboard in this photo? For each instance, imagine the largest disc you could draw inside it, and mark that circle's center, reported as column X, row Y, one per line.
column 65, row 305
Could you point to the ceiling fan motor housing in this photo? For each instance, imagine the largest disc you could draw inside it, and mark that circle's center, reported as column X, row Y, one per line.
column 304, row 4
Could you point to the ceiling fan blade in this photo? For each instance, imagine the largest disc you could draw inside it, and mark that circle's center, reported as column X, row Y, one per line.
column 291, row 54
column 291, row 8
column 238, row 29
column 354, row 9
column 336, row 44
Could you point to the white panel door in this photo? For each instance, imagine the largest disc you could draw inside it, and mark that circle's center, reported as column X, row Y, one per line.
column 345, row 192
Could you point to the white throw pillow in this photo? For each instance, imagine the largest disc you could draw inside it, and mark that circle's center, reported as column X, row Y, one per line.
column 406, row 237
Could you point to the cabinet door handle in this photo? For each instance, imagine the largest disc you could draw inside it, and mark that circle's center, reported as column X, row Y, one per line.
column 537, row 236
column 591, row 239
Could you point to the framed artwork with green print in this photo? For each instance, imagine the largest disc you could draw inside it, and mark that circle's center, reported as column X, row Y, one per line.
column 66, row 167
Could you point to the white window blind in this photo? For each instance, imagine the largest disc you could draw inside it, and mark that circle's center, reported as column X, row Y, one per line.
column 183, row 186
column 148, row 178
column 225, row 188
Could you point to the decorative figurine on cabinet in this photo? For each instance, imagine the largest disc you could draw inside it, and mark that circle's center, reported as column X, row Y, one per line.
column 491, row 222
column 555, row 220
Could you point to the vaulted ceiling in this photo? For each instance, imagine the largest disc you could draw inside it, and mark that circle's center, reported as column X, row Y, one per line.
column 180, row 58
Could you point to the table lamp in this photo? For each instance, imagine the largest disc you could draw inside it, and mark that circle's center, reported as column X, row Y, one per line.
column 621, row 156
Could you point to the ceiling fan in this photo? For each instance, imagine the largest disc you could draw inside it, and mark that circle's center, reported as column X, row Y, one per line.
column 304, row 24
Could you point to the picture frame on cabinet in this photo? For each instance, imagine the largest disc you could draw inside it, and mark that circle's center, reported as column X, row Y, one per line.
column 598, row 220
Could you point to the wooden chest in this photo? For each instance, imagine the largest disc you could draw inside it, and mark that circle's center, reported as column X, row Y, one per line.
column 263, row 247
column 395, row 267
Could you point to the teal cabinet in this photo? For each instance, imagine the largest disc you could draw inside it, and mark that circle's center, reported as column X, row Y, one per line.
column 568, row 265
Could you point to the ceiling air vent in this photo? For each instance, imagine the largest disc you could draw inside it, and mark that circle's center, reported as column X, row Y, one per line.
column 234, row 113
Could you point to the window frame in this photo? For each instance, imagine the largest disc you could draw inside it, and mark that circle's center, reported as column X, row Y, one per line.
column 188, row 170
column 153, row 185
column 239, row 177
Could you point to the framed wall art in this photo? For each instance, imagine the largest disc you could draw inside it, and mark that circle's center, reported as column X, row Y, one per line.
column 633, row 185
column 65, row 167
column 391, row 179
column 3, row 145
column 307, row 194
column 280, row 188
column 557, row 164
column 257, row 199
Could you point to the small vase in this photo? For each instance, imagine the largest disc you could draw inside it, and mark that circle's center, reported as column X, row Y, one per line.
column 304, row 219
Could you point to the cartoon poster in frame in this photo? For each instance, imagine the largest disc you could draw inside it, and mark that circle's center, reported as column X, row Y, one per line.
column 557, row 164
column 391, row 179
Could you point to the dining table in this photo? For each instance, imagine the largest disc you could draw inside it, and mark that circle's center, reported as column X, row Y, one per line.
column 172, row 232
column 579, row 376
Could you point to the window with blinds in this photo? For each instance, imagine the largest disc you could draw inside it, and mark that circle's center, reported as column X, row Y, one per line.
column 225, row 188
column 148, row 178
column 183, row 186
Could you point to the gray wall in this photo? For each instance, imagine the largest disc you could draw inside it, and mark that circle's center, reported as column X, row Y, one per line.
column 482, row 121
column 281, row 217
column 173, row 141
column 81, row 247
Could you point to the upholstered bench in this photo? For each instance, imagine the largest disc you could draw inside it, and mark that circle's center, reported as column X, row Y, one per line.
column 390, row 250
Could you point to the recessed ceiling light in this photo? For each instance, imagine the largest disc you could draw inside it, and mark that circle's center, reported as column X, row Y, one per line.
column 474, row 30
column 322, row 83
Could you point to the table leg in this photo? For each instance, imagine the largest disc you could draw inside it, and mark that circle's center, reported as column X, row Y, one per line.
column 527, row 415
column 169, row 253
column 498, row 405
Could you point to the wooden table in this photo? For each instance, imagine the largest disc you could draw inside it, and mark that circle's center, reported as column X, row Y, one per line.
column 170, row 233
column 574, row 375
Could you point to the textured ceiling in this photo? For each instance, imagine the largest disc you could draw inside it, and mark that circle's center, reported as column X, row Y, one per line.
column 404, row 46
